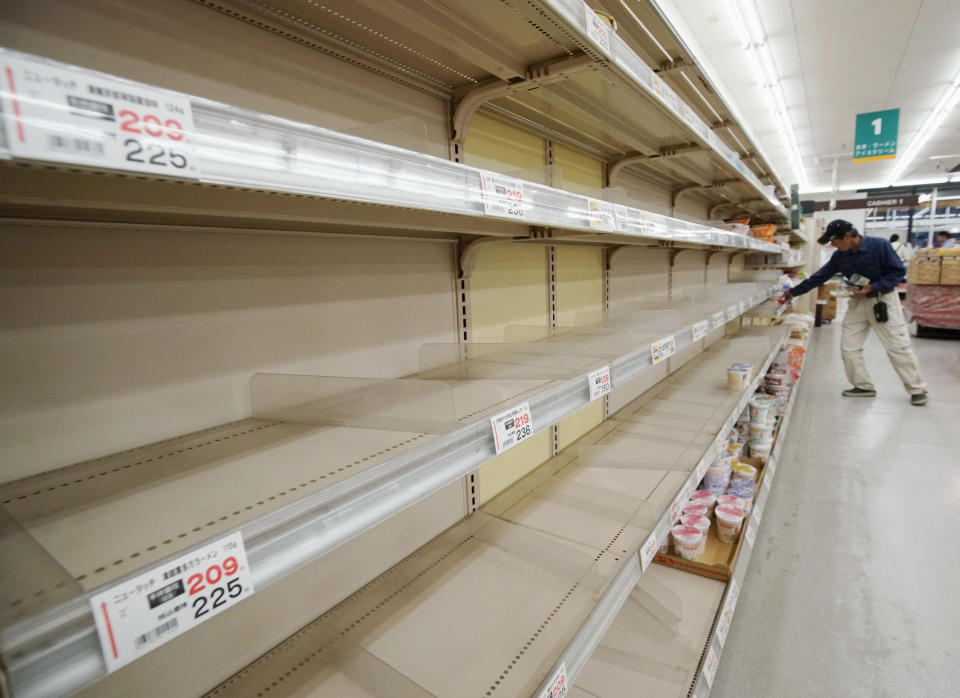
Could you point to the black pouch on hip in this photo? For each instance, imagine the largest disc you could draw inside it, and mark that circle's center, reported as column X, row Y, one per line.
column 880, row 311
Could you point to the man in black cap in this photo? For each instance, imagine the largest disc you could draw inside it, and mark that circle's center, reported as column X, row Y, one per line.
column 874, row 259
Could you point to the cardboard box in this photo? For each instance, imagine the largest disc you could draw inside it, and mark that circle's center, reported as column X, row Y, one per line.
column 950, row 271
column 924, row 270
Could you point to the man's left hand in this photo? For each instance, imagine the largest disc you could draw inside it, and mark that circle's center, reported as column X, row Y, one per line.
column 862, row 292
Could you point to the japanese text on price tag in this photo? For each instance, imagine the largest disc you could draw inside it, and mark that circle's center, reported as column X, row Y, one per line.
column 601, row 215
column 599, row 382
column 647, row 551
column 137, row 616
column 723, row 624
column 710, row 665
column 732, row 312
column 663, row 349
column 700, row 330
column 503, row 196
column 512, row 426
column 557, row 688
column 598, row 31
column 64, row 115
column 718, row 319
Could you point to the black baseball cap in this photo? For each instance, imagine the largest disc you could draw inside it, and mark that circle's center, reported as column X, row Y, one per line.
column 837, row 229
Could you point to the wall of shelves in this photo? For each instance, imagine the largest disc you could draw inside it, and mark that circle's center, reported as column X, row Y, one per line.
column 333, row 240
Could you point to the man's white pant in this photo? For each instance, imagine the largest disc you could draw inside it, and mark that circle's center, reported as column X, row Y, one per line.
column 893, row 335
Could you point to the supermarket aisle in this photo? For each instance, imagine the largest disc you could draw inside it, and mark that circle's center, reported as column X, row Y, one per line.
column 852, row 588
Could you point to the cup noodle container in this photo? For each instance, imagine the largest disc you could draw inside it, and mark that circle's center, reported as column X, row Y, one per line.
column 704, row 497
column 696, row 509
column 737, row 379
column 761, row 449
column 731, row 500
column 729, row 522
column 701, row 523
column 777, row 379
column 717, row 477
column 761, row 432
column 689, row 542
column 743, row 471
column 763, row 409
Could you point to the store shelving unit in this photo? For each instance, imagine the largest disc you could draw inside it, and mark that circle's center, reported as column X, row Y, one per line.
column 545, row 63
column 701, row 621
column 320, row 465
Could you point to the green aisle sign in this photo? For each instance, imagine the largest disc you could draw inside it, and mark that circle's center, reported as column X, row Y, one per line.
column 876, row 136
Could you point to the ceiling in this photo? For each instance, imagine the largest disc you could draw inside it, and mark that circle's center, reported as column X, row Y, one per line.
column 836, row 58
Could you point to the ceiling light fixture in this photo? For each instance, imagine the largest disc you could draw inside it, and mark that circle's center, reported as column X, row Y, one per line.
column 948, row 100
column 750, row 34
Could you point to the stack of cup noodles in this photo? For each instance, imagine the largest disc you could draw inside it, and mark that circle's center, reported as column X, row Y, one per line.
column 744, row 491
column 689, row 542
column 763, row 412
column 729, row 522
column 738, row 376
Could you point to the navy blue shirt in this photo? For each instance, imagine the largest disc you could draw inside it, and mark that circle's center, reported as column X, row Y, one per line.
column 874, row 259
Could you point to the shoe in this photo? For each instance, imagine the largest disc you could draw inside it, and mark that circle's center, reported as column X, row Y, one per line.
column 859, row 392
column 918, row 399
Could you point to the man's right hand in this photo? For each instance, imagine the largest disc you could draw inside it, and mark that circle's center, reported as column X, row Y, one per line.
column 786, row 297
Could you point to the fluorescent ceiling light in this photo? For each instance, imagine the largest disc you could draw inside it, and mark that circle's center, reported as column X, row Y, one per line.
column 943, row 107
column 749, row 29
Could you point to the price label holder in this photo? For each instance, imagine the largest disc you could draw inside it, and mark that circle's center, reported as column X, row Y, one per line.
column 766, row 482
column 772, row 466
column 599, row 382
column 503, row 196
column 700, row 330
column 751, row 533
column 648, row 550
column 702, row 468
column 511, row 426
column 558, row 687
column 62, row 115
column 710, row 665
column 598, row 31
column 732, row 312
column 663, row 349
column 718, row 319
column 743, row 307
column 726, row 616
column 602, row 216
column 140, row 614
column 757, row 513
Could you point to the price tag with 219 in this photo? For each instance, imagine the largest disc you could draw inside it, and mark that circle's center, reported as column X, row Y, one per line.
column 512, row 426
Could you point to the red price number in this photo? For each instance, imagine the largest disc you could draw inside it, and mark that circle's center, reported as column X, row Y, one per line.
column 152, row 153
column 214, row 595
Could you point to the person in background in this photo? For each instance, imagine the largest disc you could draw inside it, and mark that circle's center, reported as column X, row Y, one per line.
column 874, row 259
column 944, row 239
column 899, row 248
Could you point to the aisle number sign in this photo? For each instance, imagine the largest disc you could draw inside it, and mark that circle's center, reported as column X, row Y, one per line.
column 512, row 426
column 138, row 615
column 663, row 349
column 876, row 135
column 599, row 382
column 503, row 196
column 60, row 115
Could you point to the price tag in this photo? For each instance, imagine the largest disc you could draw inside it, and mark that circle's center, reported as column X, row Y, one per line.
column 757, row 513
column 772, row 465
column 723, row 625
column 601, row 215
column 503, row 196
column 710, row 665
column 512, row 426
column 599, row 382
column 732, row 312
column 752, row 532
column 700, row 330
column 598, row 31
column 648, row 550
column 557, row 688
column 663, row 349
column 718, row 319
column 62, row 115
column 702, row 468
column 135, row 617
column 766, row 482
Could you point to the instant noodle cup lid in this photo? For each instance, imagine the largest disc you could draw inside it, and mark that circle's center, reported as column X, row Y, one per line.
column 761, row 400
column 695, row 508
column 731, row 513
column 701, row 523
column 703, row 497
column 690, row 535
column 744, row 469
column 727, row 500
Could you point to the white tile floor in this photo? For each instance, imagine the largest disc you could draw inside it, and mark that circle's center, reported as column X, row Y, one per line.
column 854, row 589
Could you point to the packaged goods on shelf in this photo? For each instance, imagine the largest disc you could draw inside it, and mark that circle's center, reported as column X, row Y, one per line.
column 739, row 228
column 706, row 498
column 924, row 268
column 763, row 232
column 762, row 409
column 699, row 522
column 934, row 306
column 738, row 377
column 729, row 521
column 689, row 541
column 950, row 270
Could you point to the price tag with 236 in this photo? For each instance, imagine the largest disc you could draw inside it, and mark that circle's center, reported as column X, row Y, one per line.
column 512, row 426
